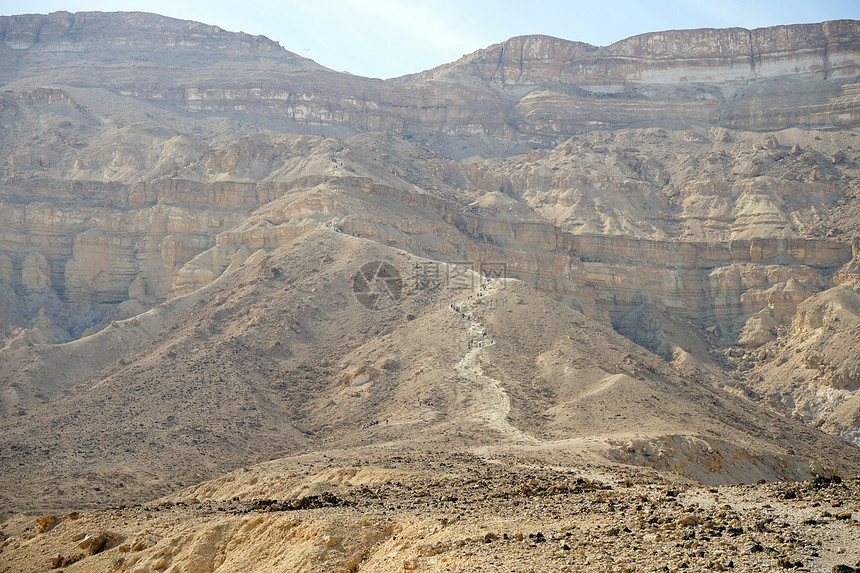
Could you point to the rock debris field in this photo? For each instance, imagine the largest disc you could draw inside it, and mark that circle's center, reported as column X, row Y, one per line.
column 453, row 512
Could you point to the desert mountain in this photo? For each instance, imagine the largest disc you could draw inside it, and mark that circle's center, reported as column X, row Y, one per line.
column 215, row 253
column 281, row 356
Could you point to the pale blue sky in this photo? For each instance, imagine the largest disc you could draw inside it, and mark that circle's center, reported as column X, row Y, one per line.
column 387, row 38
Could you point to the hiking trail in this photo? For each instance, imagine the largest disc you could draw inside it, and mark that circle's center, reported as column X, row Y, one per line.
column 492, row 402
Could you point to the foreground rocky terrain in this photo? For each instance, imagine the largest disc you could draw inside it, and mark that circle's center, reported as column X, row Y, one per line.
column 453, row 511
column 610, row 295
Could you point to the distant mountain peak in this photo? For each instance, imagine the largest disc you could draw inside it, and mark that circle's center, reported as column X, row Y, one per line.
column 90, row 31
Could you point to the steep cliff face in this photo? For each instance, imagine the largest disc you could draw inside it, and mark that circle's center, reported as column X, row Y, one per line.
column 532, row 90
column 718, row 247
column 732, row 77
column 731, row 56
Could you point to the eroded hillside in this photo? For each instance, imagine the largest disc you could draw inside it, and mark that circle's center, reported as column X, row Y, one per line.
column 288, row 353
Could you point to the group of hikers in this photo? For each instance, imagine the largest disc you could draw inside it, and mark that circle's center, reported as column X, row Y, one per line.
column 373, row 423
column 337, row 229
column 461, row 311
column 479, row 344
column 462, row 314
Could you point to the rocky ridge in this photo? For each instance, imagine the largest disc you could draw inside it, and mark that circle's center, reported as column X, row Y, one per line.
column 532, row 89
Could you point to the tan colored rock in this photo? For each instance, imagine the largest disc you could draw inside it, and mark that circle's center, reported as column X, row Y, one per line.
column 758, row 329
column 769, row 142
column 688, row 521
column 46, row 523
column 97, row 542
column 360, row 376
column 207, row 266
column 102, row 266
column 137, row 289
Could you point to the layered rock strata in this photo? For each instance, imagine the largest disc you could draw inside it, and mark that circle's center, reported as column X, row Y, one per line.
column 529, row 89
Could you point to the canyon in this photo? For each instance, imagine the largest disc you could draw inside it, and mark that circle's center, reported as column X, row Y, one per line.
column 183, row 210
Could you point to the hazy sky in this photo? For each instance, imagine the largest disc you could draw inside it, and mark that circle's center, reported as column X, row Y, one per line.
column 387, row 38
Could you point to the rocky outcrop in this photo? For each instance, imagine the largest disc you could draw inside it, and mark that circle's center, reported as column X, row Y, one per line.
column 96, row 248
column 713, row 56
column 742, row 288
column 35, row 274
column 6, row 269
column 811, row 367
column 731, row 77
column 102, row 267
column 851, row 271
